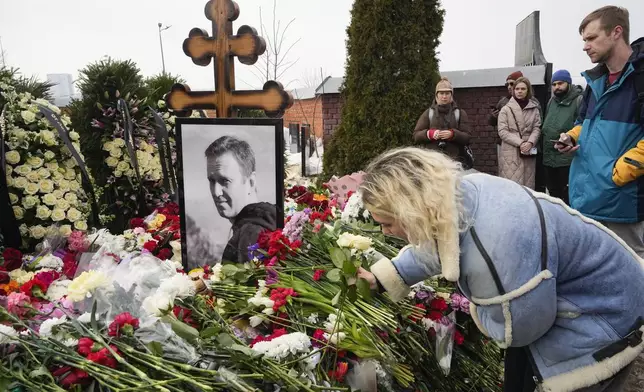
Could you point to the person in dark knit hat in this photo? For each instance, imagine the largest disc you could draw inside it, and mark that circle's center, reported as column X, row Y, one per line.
column 561, row 113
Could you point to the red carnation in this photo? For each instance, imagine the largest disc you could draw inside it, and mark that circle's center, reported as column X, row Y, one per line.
column 318, row 274
column 459, row 339
column 34, row 288
column 124, row 323
column 184, row 315
column 165, row 254
column 104, row 357
column 69, row 265
column 439, row 304
column 137, row 222
column 318, row 338
column 150, row 246
column 12, row 259
column 85, row 346
column 71, row 376
column 434, row 315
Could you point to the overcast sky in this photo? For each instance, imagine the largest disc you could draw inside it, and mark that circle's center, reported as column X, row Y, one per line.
column 63, row 36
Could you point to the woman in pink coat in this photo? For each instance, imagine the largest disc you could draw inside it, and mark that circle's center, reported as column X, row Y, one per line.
column 519, row 130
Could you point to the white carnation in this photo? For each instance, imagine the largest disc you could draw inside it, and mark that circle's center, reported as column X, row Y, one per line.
column 157, row 305
column 7, row 334
column 48, row 326
column 57, row 290
column 52, row 262
column 283, row 346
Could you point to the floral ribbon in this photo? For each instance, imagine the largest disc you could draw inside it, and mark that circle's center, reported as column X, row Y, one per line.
column 55, row 121
column 165, row 153
column 129, row 143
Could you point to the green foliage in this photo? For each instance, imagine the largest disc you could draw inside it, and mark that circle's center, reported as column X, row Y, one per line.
column 390, row 76
column 159, row 85
column 23, row 84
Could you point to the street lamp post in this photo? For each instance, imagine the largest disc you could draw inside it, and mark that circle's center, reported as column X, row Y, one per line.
column 162, row 28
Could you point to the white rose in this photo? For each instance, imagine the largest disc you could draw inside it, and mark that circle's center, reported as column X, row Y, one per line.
column 50, row 199
column 57, row 215
column 71, row 197
column 122, row 166
column 73, row 215
column 28, row 116
column 18, row 212
column 12, row 157
column 37, row 232
column 8, row 170
column 58, row 193
column 23, row 229
column 32, row 188
column 116, row 153
column 118, row 173
column 48, row 138
column 348, row 240
column 44, row 172
column 49, row 155
column 62, row 204
column 111, row 161
column 46, row 186
column 74, row 135
column 63, row 185
column 33, row 176
column 29, row 202
column 42, row 212
column 80, row 225
column 74, row 186
column 70, row 175
column 23, row 170
column 35, row 162
column 53, row 166
column 70, row 164
column 13, row 198
column 161, row 104
column 119, row 142
column 66, row 230
column 20, row 182
column 107, row 146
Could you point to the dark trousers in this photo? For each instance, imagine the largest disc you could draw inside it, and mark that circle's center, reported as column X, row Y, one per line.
column 539, row 175
column 557, row 181
column 518, row 374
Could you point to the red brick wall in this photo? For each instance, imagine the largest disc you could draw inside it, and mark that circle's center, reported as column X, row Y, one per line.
column 306, row 111
column 331, row 114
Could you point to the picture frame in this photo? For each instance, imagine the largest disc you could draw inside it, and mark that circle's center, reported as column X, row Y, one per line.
column 230, row 171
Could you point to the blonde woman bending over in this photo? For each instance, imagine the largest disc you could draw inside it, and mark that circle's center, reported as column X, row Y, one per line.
column 562, row 292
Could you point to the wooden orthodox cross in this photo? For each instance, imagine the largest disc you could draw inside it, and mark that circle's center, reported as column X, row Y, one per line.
column 223, row 46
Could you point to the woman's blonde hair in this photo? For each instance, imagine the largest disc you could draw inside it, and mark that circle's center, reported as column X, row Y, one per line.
column 525, row 81
column 419, row 189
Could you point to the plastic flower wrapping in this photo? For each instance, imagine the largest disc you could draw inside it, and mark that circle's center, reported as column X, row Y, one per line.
column 44, row 179
column 116, row 311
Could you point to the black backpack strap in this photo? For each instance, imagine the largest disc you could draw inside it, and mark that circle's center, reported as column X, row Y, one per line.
column 639, row 89
column 544, row 233
column 488, row 261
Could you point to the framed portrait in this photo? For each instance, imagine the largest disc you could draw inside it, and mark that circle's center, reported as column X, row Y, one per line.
column 231, row 186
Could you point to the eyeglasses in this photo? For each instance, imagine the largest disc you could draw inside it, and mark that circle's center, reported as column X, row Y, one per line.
column 509, row 84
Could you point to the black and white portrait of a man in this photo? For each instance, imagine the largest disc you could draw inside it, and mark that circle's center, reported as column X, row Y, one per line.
column 229, row 189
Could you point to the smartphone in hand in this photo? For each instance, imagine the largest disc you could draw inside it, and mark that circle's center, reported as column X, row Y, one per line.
column 566, row 143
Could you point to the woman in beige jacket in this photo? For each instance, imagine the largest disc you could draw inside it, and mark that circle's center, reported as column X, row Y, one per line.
column 519, row 130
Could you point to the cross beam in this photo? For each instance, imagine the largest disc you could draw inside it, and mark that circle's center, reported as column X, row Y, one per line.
column 223, row 46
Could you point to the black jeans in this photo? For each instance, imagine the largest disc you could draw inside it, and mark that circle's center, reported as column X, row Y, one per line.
column 518, row 374
column 557, row 181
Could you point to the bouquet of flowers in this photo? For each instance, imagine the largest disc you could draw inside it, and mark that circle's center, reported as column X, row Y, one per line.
column 43, row 178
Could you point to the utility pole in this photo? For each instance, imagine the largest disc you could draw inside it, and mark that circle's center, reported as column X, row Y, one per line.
column 2, row 53
column 162, row 28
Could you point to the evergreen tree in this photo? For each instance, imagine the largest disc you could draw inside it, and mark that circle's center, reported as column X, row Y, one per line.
column 159, row 85
column 390, row 76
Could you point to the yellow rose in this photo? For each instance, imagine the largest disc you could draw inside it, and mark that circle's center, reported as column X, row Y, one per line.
column 42, row 212
column 65, row 230
column 71, row 197
column 119, row 142
column 57, row 215
column 62, row 204
column 13, row 198
column 35, row 162
column 348, row 240
column 111, row 161
column 29, row 202
column 23, row 170
column 53, row 166
column 74, row 186
column 50, row 199
column 73, row 215
column 37, row 232
column 19, row 182
column 33, row 176
column 12, row 157
column 80, row 225
column 107, row 146
column 32, row 188
column 49, row 155
column 44, row 173
column 58, row 193
column 74, row 135
column 116, row 153
column 46, row 186
column 18, row 212
column 28, row 116
column 48, row 138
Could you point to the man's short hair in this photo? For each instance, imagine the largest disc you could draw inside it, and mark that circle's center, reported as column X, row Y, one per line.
column 609, row 17
column 240, row 149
